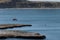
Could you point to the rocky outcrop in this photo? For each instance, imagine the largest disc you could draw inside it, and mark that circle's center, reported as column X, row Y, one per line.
column 4, row 26
column 20, row 34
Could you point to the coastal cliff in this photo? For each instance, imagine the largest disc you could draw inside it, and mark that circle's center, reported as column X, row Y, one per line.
column 28, row 4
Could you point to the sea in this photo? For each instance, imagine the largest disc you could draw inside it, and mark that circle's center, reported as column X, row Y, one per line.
column 43, row 21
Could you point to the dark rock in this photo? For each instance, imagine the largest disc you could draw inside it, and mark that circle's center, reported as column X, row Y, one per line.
column 14, row 19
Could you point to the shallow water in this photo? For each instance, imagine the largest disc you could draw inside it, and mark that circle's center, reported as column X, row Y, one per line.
column 44, row 21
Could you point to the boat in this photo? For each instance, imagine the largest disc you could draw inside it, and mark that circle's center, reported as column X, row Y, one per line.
column 20, row 34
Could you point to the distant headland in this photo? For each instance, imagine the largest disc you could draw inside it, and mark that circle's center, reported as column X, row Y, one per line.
column 28, row 4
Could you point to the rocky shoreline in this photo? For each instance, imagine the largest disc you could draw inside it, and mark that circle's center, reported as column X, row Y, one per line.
column 18, row 34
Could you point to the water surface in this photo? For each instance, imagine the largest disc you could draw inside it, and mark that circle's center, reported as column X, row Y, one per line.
column 44, row 21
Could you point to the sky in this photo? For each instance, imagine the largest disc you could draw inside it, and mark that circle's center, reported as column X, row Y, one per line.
column 46, row 0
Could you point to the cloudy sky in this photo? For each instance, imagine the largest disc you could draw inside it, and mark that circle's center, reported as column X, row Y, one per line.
column 45, row 0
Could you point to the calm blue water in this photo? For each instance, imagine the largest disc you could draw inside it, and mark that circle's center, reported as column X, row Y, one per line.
column 44, row 21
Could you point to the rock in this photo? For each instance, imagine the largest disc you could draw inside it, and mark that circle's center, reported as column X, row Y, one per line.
column 20, row 34
column 4, row 26
column 14, row 19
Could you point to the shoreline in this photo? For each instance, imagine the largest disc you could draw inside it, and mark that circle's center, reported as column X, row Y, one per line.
column 29, row 8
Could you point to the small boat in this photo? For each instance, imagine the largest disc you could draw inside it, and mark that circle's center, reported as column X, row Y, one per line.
column 20, row 34
column 4, row 26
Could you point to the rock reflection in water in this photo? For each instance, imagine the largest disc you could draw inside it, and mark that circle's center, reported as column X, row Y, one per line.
column 20, row 39
column 2, row 39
